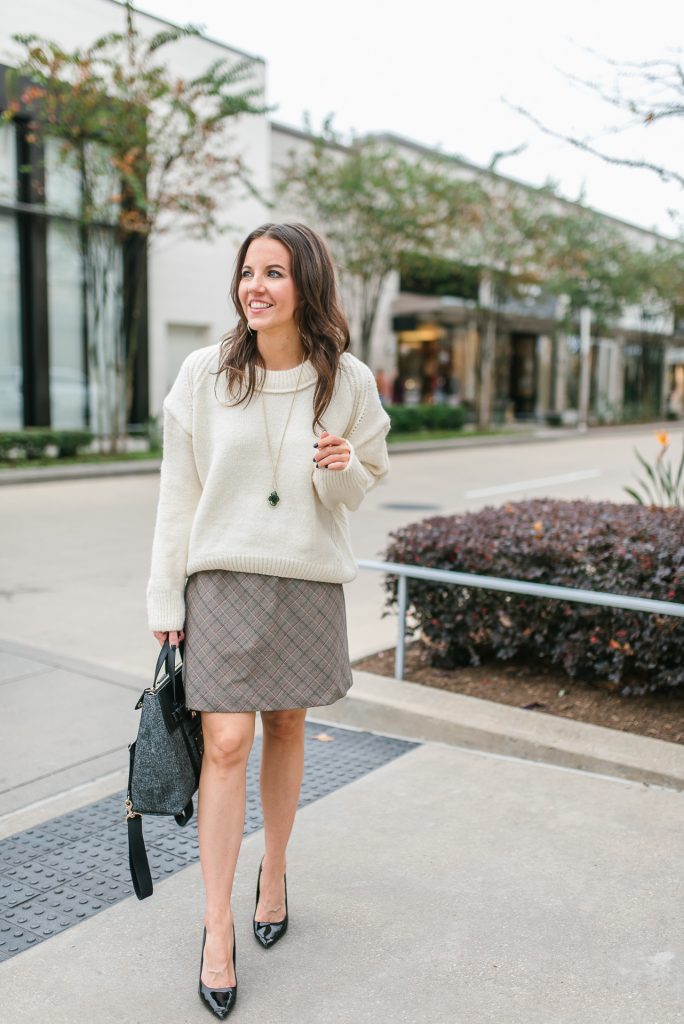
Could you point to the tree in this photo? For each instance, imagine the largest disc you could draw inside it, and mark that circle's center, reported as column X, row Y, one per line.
column 592, row 263
column 153, row 154
column 644, row 93
column 374, row 205
column 506, row 245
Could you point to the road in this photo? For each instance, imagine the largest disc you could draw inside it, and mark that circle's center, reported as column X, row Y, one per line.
column 75, row 554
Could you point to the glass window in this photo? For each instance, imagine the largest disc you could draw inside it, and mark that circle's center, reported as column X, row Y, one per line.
column 62, row 179
column 8, row 163
column 65, row 319
column 11, row 402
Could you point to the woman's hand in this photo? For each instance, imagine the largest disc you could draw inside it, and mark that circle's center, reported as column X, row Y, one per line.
column 173, row 636
column 333, row 452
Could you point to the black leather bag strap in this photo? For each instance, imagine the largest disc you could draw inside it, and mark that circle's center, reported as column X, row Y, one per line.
column 137, row 854
column 137, row 859
column 168, row 654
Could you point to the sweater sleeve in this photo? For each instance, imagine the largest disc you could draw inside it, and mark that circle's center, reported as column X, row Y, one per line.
column 179, row 493
column 368, row 462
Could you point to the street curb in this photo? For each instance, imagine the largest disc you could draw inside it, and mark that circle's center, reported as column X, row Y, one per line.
column 149, row 466
column 76, row 472
column 414, row 711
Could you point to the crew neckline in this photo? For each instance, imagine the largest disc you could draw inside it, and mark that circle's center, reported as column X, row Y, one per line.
column 286, row 380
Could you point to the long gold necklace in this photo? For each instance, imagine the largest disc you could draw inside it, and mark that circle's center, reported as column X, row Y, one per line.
column 274, row 497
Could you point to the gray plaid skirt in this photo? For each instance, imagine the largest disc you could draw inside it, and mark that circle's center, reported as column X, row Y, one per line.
column 263, row 643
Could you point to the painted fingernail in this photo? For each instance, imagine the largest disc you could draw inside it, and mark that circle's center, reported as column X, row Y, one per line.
column 314, row 458
column 315, row 444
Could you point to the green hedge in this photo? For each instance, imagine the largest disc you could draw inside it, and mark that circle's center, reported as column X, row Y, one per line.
column 407, row 419
column 32, row 442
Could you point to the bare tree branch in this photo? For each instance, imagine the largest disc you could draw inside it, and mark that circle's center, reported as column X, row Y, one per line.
column 665, row 174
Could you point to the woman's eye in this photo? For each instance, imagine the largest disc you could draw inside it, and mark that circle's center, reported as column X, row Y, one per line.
column 274, row 272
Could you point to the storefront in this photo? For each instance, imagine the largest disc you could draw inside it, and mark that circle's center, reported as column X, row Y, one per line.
column 45, row 362
column 674, row 361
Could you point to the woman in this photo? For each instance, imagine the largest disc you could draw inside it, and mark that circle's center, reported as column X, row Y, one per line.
column 270, row 437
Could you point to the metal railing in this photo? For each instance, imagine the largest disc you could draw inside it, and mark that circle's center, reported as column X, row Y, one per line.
column 466, row 579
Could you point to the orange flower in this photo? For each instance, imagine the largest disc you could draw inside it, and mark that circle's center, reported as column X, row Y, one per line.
column 663, row 438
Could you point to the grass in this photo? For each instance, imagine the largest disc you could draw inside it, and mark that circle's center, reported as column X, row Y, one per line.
column 443, row 435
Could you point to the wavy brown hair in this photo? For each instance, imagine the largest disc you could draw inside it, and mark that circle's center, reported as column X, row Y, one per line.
column 322, row 325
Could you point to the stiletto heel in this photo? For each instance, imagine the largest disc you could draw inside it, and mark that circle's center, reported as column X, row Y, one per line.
column 268, row 932
column 219, row 1000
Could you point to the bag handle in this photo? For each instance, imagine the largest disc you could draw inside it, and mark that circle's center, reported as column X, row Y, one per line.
column 168, row 654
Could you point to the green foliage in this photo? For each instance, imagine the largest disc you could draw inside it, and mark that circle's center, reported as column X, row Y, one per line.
column 165, row 138
column 590, row 261
column 600, row 546
column 32, row 443
column 431, row 275
column 375, row 206
column 408, row 419
column 664, row 484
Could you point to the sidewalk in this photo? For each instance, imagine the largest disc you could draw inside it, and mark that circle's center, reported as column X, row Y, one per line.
column 426, row 881
column 520, row 434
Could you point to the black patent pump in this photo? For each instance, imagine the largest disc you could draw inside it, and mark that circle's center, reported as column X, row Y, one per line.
column 268, row 932
column 219, row 1000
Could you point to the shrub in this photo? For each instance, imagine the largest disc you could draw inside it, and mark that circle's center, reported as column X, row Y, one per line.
column 70, row 442
column 620, row 549
column 407, row 419
column 32, row 442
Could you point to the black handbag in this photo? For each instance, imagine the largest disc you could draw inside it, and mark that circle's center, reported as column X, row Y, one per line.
column 164, row 761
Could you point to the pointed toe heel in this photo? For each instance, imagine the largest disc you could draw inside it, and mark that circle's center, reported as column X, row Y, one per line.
column 220, row 1001
column 267, row 933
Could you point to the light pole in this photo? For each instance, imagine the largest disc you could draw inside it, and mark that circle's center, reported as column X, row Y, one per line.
column 585, row 366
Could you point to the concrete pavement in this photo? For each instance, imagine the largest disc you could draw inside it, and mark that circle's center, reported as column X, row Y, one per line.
column 449, row 884
column 453, row 883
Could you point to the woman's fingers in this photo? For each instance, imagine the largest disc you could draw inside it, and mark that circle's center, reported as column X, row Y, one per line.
column 173, row 636
column 333, row 452
column 339, row 459
column 328, row 439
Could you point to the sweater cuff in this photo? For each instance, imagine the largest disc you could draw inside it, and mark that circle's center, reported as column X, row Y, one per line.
column 348, row 485
column 165, row 610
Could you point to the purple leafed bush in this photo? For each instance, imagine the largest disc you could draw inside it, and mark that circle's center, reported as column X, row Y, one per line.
column 614, row 548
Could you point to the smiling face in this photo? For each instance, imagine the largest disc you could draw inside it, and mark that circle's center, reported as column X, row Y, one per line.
column 267, row 291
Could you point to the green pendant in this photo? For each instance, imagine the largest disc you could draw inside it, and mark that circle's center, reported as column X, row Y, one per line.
column 273, row 498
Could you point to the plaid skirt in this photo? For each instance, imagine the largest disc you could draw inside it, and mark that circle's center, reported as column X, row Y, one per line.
column 263, row 643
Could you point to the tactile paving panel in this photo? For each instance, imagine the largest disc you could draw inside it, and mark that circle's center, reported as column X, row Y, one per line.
column 67, row 869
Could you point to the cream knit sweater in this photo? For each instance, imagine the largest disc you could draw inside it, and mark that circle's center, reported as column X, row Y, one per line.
column 216, row 476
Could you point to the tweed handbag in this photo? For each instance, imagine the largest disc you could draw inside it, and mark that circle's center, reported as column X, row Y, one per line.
column 164, row 761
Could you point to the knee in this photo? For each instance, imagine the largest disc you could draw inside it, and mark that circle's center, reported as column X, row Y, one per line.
column 283, row 725
column 227, row 748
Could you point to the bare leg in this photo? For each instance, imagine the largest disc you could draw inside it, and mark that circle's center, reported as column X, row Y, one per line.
column 228, row 738
column 282, row 767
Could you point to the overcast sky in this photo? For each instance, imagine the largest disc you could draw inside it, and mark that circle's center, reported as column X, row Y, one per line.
column 445, row 74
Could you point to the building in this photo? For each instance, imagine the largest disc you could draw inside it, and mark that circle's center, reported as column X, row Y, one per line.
column 427, row 334
column 44, row 367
